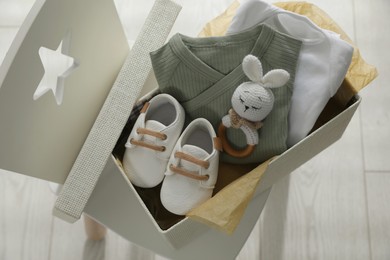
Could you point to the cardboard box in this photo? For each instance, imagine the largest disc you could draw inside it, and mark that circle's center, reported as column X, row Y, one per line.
column 116, row 203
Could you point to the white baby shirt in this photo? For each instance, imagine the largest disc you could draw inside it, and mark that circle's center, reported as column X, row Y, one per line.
column 322, row 64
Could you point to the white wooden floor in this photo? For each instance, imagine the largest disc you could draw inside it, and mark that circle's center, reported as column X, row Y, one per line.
column 334, row 207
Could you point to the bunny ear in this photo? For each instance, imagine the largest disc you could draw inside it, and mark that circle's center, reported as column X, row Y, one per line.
column 252, row 68
column 276, row 78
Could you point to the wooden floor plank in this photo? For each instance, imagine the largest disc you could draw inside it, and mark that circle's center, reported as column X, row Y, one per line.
column 372, row 26
column 378, row 196
column 69, row 241
column 25, row 217
column 320, row 212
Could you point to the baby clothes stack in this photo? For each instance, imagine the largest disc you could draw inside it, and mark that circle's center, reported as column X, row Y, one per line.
column 202, row 74
column 323, row 61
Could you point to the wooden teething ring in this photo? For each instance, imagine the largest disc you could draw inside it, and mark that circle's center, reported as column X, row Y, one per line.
column 227, row 148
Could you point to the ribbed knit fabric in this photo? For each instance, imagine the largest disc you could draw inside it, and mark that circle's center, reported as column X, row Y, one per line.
column 202, row 74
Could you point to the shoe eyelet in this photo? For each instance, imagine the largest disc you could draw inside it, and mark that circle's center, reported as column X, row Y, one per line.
column 208, row 177
column 164, row 137
column 163, row 148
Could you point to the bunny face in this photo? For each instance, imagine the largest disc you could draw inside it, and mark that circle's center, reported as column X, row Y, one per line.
column 252, row 102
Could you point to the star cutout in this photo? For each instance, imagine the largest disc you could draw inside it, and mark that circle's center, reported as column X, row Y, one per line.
column 57, row 66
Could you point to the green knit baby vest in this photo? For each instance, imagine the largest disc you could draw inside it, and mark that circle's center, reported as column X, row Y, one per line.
column 202, row 74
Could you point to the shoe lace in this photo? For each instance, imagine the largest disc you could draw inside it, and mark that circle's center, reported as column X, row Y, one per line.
column 145, row 131
column 190, row 174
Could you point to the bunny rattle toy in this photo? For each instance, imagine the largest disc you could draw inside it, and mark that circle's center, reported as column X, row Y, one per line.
column 252, row 101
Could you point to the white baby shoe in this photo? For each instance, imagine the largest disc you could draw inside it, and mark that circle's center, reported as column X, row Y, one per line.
column 192, row 169
column 152, row 140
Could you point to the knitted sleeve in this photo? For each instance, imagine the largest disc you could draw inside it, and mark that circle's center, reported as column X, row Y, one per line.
column 164, row 63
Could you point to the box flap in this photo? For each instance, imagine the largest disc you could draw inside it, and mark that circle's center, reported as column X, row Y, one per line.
column 44, row 121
